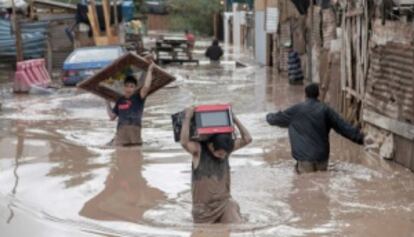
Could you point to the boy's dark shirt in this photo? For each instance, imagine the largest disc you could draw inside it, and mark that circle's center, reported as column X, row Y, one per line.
column 129, row 110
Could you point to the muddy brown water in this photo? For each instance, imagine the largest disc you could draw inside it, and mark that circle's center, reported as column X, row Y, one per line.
column 57, row 177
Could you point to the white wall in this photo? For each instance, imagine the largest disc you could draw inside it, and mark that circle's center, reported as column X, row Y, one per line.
column 237, row 21
column 260, row 38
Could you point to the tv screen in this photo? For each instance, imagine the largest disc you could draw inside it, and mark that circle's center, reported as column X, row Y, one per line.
column 214, row 119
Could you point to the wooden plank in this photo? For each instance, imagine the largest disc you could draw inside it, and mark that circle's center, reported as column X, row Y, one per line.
column 310, row 40
column 343, row 56
column 348, row 48
column 365, row 46
column 160, row 77
column 115, row 7
column 107, row 17
column 17, row 33
column 357, row 46
column 326, row 80
column 93, row 19
column 400, row 128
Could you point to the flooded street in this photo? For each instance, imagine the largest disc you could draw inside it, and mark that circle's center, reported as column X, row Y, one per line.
column 58, row 177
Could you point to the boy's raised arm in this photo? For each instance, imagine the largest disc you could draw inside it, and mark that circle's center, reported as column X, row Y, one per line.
column 109, row 111
column 148, row 81
column 245, row 139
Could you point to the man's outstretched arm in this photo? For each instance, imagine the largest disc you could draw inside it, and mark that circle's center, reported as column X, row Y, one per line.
column 344, row 128
column 282, row 118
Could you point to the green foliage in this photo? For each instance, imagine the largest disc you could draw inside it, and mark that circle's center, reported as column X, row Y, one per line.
column 139, row 5
column 194, row 15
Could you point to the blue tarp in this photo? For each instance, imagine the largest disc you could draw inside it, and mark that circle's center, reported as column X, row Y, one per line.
column 33, row 39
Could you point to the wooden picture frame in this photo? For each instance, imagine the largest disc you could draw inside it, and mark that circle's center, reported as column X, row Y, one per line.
column 160, row 77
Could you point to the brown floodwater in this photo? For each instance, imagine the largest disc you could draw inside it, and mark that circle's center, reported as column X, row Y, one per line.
column 58, row 177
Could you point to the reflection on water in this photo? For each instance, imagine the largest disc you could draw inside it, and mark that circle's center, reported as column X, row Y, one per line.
column 218, row 231
column 58, row 178
column 126, row 195
column 18, row 156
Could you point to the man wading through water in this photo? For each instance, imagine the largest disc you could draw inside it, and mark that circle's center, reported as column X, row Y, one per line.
column 214, row 52
column 129, row 109
column 212, row 201
column 309, row 125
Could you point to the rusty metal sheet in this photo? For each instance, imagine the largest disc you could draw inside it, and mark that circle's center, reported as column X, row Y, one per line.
column 390, row 83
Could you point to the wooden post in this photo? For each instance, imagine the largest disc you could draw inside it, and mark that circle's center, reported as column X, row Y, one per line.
column 215, row 31
column 32, row 10
column 116, row 15
column 49, row 54
column 107, row 18
column 17, row 33
column 310, row 43
column 326, row 80
column 93, row 18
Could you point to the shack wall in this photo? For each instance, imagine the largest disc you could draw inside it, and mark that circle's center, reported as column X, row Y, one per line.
column 390, row 90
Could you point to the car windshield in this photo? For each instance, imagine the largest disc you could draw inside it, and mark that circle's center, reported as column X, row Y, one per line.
column 95, row 55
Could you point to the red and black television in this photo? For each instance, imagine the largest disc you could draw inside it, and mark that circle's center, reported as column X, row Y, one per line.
column 208, row 120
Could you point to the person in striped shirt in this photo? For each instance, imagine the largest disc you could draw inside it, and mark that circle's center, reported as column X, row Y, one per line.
column 295, row 72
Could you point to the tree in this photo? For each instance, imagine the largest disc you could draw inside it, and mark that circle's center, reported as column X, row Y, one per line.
column 194, row 15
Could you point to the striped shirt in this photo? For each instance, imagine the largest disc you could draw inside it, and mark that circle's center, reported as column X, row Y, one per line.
column 294, row 67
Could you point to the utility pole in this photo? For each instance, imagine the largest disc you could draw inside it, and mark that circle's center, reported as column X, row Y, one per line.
column 310, row 41
column 17, row 33
column 115, row 2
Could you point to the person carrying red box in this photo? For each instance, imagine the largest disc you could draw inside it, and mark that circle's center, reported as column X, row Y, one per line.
column 212, row 200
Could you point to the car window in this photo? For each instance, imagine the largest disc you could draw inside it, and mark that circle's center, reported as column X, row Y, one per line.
column 95, row 54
